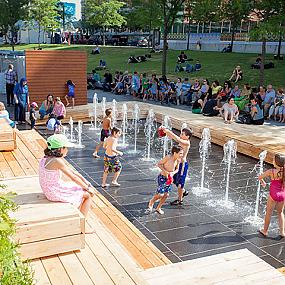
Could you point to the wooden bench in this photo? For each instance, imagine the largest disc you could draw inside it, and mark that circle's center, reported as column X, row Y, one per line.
column 7, row 136
column 44, row 228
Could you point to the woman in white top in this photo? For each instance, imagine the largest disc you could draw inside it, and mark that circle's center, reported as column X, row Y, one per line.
column 229, row 111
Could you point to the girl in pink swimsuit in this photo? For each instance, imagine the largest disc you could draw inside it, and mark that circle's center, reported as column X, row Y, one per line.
column 276, row 197
column 78, row 191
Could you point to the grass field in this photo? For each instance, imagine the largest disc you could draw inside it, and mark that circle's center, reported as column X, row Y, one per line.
column 215, row 65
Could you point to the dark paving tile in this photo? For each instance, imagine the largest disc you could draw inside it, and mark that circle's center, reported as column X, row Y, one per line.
column 205, row 243
column 172, row 257
column 190, row 220
column 255, row 250
column 276, row 250
column 191, row 232
column 198, row 228
column 161, row 246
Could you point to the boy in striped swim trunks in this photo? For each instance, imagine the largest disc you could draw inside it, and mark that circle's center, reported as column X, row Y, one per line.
column 183, row 140
column 169, row 167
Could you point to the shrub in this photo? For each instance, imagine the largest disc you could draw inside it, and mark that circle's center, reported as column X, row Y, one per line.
column 13, row 271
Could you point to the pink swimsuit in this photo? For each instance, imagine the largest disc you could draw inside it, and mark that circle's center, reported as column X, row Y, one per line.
column 56, row 189
column 277, row 191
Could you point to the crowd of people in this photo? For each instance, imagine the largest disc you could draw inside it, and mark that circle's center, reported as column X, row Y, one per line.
column 248, row 104
column 52, row 108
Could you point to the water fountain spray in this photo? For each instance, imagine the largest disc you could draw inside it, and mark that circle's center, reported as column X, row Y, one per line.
column 255, row 220
column 204, row 148
column 114, row 113
column 184, row 126
column 166, row 124
column 71, row 130
column 79, row 131
column 230, row 154
column 149, row 130
column 94, row 114
column 124, row 122
column 103, row 105
column 136, row 117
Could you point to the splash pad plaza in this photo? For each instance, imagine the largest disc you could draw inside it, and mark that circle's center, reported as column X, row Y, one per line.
column 219, row 220
column 215, row 228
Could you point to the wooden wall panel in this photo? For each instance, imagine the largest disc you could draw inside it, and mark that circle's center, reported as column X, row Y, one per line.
column 48, row 71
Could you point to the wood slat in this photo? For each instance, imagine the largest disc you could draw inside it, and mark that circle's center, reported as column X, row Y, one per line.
column 55, row 270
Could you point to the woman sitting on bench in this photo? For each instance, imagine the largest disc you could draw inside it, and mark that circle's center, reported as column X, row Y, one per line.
column 78, row 191
column 5, row 115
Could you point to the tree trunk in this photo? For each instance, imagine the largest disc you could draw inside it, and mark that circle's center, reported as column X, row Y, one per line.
column 233, row 37
column 279, row 45
column 165, row 34
column 188, row 36
column 39, row 37
column 263, row 53
column 103, row 35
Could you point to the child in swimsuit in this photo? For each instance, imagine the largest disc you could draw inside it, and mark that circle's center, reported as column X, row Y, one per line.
column 169, row 167
column 111, row 159
column 105, row 132
column 276, row 197
column 180, row 177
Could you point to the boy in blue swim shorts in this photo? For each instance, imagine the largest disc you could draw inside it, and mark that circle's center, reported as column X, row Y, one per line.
column 169, row 167
column 180, row 177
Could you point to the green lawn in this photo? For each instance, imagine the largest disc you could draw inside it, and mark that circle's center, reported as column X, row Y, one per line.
column 215, row 65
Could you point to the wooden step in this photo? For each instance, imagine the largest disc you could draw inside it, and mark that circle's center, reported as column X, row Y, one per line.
column 43, row 227
column 236, row 267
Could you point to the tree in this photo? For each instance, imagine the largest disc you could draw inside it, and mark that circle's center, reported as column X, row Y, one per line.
column 170, row 9
column 104, row 13
column 269, row 15
column 11, row 11
column 234, row 11
column 144, row 14
column 201, row 11
column 45, row 13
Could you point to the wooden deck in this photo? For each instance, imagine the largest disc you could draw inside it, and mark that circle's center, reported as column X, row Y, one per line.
column 251, row 140
column 117, row 253
column 24, row 162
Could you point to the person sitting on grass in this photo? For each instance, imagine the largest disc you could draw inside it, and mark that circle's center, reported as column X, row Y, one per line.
column 237, row 74
column 135, row 84
column 256, row 113
column 268, row 99
column 243, row 100
column 169, row 167
column 78, row 191
column 185, row 91
column 199, row 103
column 4, row 114
column 229, row 111
column 182, row 57
column 235, row 92
column 274, row 109
column 216, row 88
column 198, row 65
column 226, row 91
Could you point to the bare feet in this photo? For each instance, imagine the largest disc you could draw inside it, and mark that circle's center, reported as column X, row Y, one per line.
column 67, row 104
column 263, row 233
column 115, row 183
column 95, row 155
column 159, row 211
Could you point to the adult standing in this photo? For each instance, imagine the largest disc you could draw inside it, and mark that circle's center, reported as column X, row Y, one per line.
column 11, row 79
column 21, row 96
